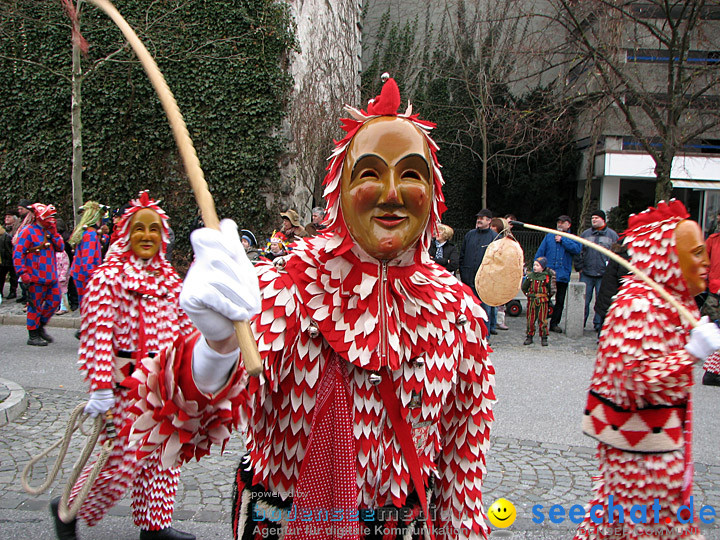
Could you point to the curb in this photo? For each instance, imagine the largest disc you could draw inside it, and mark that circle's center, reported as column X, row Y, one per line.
column 57, row 322
column 14, row 405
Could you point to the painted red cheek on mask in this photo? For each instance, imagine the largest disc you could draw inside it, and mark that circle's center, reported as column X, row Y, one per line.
column 364, row 195
column 416, row 195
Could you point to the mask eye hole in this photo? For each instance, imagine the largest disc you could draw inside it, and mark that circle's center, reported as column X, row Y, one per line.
column 411, row 175
column 368, row 173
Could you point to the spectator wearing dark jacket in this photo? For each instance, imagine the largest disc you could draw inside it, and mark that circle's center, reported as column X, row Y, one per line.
column 12, row 222
column 559, row 252
column 443, row 251
column 471, row 255
column 610, row 284
column 591, row 263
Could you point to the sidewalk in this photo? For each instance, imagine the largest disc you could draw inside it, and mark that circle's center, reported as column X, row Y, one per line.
column 12, row 313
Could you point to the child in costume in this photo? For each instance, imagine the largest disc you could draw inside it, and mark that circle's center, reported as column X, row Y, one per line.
column 639, row 405
column 130, row 311
column 539, row 287
column 36, row 267
column 376, row 391
column 63, row 269
column 276, row 246
column 88, row 248
column 249, row 242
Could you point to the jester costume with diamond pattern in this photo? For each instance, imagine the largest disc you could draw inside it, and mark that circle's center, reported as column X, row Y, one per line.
column 334, row 321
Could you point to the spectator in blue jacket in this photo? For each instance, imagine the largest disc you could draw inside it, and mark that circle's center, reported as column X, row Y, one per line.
column 559, row 252
column 592, row 264
column 471, row 255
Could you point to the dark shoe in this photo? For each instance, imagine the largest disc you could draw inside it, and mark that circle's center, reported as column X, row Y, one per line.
column 64, row 531
column 528, row 340
column 493, row 332
column 11, row 296
column 35, row 340
column 556, row 329
column 167, row 533
column 711, row 379
column 77, row 334
column 543, row 341
column 22, row 300
column 43, row 334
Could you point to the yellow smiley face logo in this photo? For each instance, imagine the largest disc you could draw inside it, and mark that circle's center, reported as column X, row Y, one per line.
column 502, row 513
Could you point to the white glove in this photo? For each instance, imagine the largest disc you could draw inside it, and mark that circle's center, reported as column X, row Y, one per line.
column 704, row 339
column 221, row 285
column 100, row 402
column 210, row 368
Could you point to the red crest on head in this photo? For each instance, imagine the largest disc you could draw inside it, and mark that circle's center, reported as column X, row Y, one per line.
column 387, row 103
column 673, row 210
column 145, row 198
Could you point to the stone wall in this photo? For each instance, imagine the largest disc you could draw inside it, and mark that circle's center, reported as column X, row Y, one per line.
column 326, row 70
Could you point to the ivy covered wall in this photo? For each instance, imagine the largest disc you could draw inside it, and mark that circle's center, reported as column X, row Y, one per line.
column 226, row 63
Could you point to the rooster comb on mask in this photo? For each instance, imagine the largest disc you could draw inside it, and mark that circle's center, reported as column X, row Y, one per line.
column 386, row 104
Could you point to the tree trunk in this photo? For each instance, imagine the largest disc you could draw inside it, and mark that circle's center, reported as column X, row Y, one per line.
column 590, row 172
column 484, row 168
column 75, row 110
column 663, row 184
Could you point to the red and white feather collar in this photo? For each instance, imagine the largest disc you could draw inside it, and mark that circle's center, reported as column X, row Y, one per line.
column 343, row 293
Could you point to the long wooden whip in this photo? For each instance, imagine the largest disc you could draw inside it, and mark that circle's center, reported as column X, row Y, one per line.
column 618, row 259
column 250, row 354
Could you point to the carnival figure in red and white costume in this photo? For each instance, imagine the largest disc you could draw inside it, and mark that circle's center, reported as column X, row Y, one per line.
column 639, row 406
column 376, row 392
column 130, row 311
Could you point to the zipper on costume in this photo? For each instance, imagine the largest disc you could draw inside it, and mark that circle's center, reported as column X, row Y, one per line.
column 383, row 314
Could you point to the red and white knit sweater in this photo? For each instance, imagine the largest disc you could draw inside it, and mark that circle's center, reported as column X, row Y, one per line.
column 129, row 302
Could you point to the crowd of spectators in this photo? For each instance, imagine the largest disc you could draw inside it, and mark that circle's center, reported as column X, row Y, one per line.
column 84, row 248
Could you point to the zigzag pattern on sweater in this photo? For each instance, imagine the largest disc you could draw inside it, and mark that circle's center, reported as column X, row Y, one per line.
column 322, row 301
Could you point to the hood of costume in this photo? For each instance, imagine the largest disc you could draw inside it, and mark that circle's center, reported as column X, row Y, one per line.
column 650, row 241
column 131, row 304
column 385, row 105
column 641, row 359
column 92, row 212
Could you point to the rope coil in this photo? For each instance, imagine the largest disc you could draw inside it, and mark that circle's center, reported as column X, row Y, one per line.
column 76, row 421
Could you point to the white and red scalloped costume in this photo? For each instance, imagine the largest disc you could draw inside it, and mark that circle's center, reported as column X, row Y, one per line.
column 131, row 308
column 640, row 390
column 335, row 311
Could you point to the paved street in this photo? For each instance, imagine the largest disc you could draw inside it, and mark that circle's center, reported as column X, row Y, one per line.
column 538, row 454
